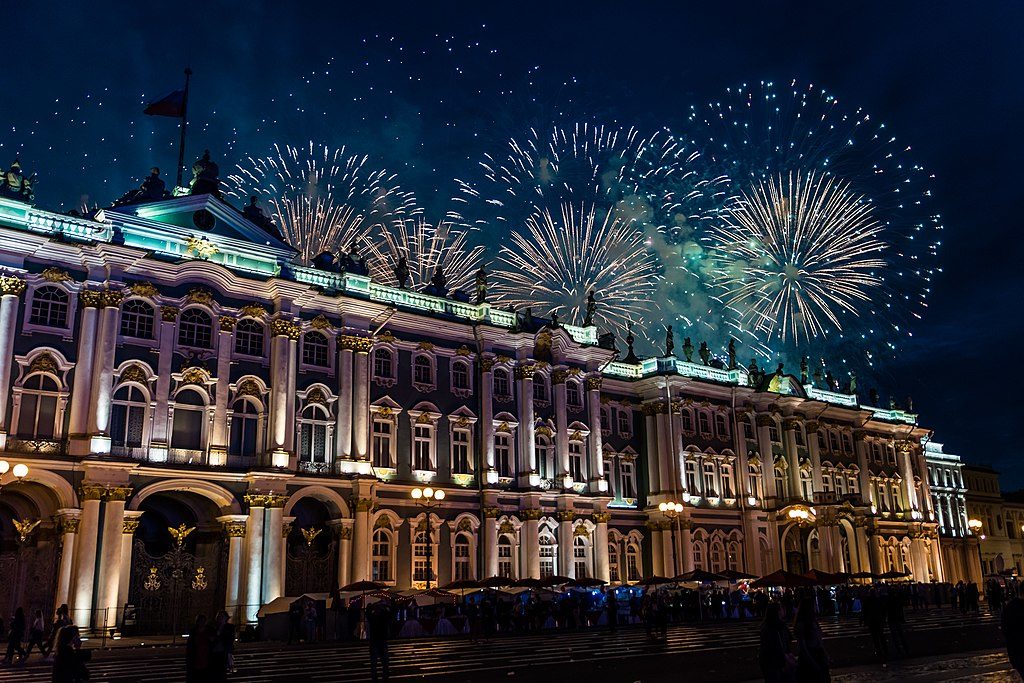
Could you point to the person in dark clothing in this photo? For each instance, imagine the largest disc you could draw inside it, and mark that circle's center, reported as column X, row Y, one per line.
column 812, row 660
column 378, row 630
column 69, row 664
column 613, row 611
column 222, row 647
column 197, row 651
column 35, row 635
column 774, row 656
column 896, row 619
column 873, row 616
column 62, row 620
column 15, row 636
column 1013, row 632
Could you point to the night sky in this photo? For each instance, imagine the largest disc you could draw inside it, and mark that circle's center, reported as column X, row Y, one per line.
column 426, row 88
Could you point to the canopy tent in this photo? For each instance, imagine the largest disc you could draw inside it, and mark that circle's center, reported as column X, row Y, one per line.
column 783, row 579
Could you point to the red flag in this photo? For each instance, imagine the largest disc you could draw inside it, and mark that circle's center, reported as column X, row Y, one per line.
column 171, row 105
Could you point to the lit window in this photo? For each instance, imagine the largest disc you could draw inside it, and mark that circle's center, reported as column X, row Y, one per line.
column 548, row 550
column 460, row 451
column 189, row 417
column 249, row 338
column 381, row 443
column 314, row 428
column 314, row 349
column 613, row 563
column 580, row 557
column 627, row 479
column 128, row 418
column 503, row 455
column 49, row 307
column 137, row 320
column 545, row 457
column 245, row 421
column 462, row 558
column 505, row 558
column 576, row 461
column 38, row 416
column 195, row 329
column 381, row 556
column 421, row 569
column 423, row 439
column 632, row 563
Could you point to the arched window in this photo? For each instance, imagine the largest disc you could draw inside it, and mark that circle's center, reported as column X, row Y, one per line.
column 613, row 563
column 573, row 395
column 806, row 485
column 721, row 426
column 245, row 422
column 699, row 553
column 576, row 461
column 754, row 484
column 540, row 387
column 690, row 469
column 781, row 483
column 189, row 414
column 625, row 423
column 709, row 478
column 606, row 420
column 38, row 417
column 422, row 370
column 627, row 479
column 460, row 375
column 581, row 556
column 463, row 565
column 249, row 337
column 381, row 562
column 314, row 432
column 717, row 556
column 128, row 418
column 609, row 475
column 725, row 472
column 632, row 563
column 687, row 419
column 734, row 556
column 314, row 349
column 503, row 461
column 705, row 422
column 383, row 364
column 195, row 329
column 502, row 386
column 137, row 319
column 506, row 567
column 421, row 569
column 49, row 307
column 548, row 553
column 545, row 456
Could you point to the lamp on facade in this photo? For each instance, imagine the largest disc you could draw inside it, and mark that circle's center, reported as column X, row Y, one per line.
column 799, row 514
column 428, row 498
column 686, row 496
column 752, row 501
column 20, row 471
column 974, row 525
column 671, row 509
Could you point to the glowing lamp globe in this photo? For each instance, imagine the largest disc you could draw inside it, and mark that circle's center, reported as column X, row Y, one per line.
column 751, row 501
column 20, row 470
column 428, row 492
column 439, row 495
column 686, row 496
column 417, row 493
column 4, row 466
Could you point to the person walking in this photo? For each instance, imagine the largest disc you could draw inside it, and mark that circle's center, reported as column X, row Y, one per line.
column 613, row 610
column 378, row 628
column 63, row 619
column 69, row 663
column 35, row 635
column 1012, row 624
column 197, row 652
column 812, row 660
column 774, row 656
column 222, row 648
column 15, row 635
column 897, row 618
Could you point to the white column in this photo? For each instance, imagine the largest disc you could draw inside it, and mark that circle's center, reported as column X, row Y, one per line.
column 219, row 436
column 860, row 447
column 253, row 576
column 344, row 425
column 344, row 530
column 69, row 525
column 487, row 417
column 558, row 377
column 905, row 456
column 361, row 540
column 361, row 402
column 657, row 551
column 686, row 556
column 490, row 537
column 567, row 567
column 595, row 453
column 84, row 577
column 530, row 538
column 789, row 427
column 281, row 423
column 234, row 529
column 653, row 473
column 527, row 447
column 940, row 571
column 81, row 395
column 161, row 429
column 131, row 523
column 108, row 580
column 814, row 453
column 11, row 289
column 669, row 484
column 103, row 366
column 764, row 446
column 601, row 571
column 273, row 541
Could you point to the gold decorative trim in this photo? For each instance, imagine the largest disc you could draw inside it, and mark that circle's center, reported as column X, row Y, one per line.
column 117, row 493
column 566, row 515
column 559, row 376
column 463, row 351
column 112, row 298
column 353, row 343
column 195, row 375
column 594, row 383
column 91, row 491
column 492, row 512
column 169, row 314
column 134, row 373
column 316, row 396
column 200, row 295
column 143, row 289
column 253, row 310
column 531, row 513
column 90, row 298
column 55, row 275
column 129, row 526
column 345, row 533
column 44, row 362
column 279, row 327
column 320, row 323
column 234, row 529
column 248, row 387
column 227, row 323
column 364, row 504
column 425, row 346
column 70, row 525
column 12, row 284
column 602, row 517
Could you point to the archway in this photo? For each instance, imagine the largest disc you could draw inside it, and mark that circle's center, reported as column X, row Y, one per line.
column 29, row 548
column 312, row 550
column 795, row 546
column 178, row 562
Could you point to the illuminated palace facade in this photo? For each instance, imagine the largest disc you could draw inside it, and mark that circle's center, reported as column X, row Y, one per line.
column 208, row 425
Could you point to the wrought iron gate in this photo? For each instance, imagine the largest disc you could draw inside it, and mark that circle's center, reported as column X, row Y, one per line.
column 311, row 568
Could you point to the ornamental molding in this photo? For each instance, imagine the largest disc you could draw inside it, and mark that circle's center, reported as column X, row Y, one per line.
column 144, row 289
column 353, row 343
column 234, row 529
column 195, row 375
column 249, row 387
column 134, row 373
column 345, row 533
column 44, row 362
column 566, row 515
column 524, row 371
column 91, row 491
column 559, row 376
column 364, row 504
column 55, row 275
column 581, row 530
column 386, row 337
column 169, row 314
column 12, row 284
column 316, row 395
column 227, row 323
column 320, row 323
column 199, row 295
column 531, row 513
column 90, row 298
column 129, row 526
column 487, row 364
column 383, row 522
column 764, row 420
column 279, row 327
column 118, row 493
column 602, row 517
column 70, row 525
column 425, row 346
column 253, row 310
column 506, row 527
column 463, row 351
column 790, row 424
column 543, row 431
column 265, row 500
column 112, row 298
column 492, row 511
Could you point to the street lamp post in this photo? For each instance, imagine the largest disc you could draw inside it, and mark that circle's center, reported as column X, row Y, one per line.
column 428, row 499
column 20, row 471
column 672, row 510
column 975, row 526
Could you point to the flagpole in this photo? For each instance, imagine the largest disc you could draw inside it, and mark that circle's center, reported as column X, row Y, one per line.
column 184, row 127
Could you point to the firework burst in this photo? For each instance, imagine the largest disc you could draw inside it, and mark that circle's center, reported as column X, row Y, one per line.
column 322, row 198
column 425, row 246
column 559, row 258
column 798, row 254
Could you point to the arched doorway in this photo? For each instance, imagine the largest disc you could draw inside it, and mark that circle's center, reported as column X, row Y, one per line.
column 178, row 561
column 29, row 548
column 796, row 542
column 312, row 549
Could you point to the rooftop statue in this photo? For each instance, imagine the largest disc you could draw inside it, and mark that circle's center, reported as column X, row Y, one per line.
column 853, row 383
column 438, row 283
column 554, row 320
column 152, row 189
column 15, row 185
column 355, row 262
column 818, row 377
column 481, row 286
column 670, row 342
column 705, row 353
column 255, row 214
column 732, row 354
column 630, row 354
column 402, row 272
column 205, row 176
column 588, row 318
column 688, row 350
column 803, row 370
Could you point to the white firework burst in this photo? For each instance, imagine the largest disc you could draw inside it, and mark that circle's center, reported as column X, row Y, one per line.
column 425, row 246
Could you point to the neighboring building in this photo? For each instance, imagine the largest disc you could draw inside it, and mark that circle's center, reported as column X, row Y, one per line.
column 1002, row 522
column 208, row 424
column 960, row 559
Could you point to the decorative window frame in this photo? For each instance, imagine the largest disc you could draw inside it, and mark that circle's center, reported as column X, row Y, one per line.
column 71, row 288
column 462, row 419
column 254, row 390
column 321, row 395
column 236, row 354
column 580, row 391
column 332, row 352
column 214, row 347
column 388, row 522
column 510, row 528
column 382, row 380
column 206, row 392
column 431, row 358
column 385, row 409
column 137, row 374
column 423, row 415
column 48, row 361
column 507, row 369
column 153, row 343
column 627, row 471
column 468, row 363
column 505, row 423
column 626, row 413
column 545, row 382
column 467, row 526
column 418, row 524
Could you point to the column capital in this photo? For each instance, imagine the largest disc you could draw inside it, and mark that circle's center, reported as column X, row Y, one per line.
column 118, row 493
column 12, row 284
column 594, row 382
column 602, row 517
column 531, row 513
column 349, row 342
column 487, row 363
column 559, row 376
column 234, row 529
column 281, row 327
column 169, row 314
column 111, row 298
column 525, row 370
column 89, row 491
column 69, row 525
column 129, row 526
column 227, row 323
column 765, row 420
column 90, row 298
column 492, row 511
column 566, row 515
column 811, row 426
column 364, row 504
column 790, row 424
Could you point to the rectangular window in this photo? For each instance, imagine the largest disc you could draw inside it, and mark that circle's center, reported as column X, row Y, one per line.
column 721, row 426
column 572, row 395
column 627, row 479
column 709, row 478
column 547, row 560
column 687, row 421
column 609, row 475
column 501, row 383
column 462, row 565
column 625, row 423
column 705, row 423
column 381, row 446
column 748, row 432
column 505, row 559
column 576, row 461
column 460, row 451
column 422, row 441
column 503, row 455
column 773, row 434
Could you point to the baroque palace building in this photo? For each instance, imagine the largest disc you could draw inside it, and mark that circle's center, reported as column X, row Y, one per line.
column 209, row 425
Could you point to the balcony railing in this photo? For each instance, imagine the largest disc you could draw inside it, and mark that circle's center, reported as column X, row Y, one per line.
column 35, row 446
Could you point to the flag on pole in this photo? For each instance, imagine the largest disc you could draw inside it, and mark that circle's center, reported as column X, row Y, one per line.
column 170, row 105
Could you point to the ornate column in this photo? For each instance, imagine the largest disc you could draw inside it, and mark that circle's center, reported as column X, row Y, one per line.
column 128, row 528
column 281, row 422
column 109, row 572
column 287, row 524
column 527, row 448
column 361, row 540
column 81, row 394
column 161, row 428
column 875, row 553
column 668, row 540
column 566, row 566
column 531, row 539
column 565, row 479
column 936, row 554
column 343, row 430
column 252, row 576
column 11, row 288
column 600, row 544
column 219, row 433
column 273, row 543
column 919, row 558
column 860, row 447
column 789, row 427
column 234, row 530
column 861, row 542
column 926, row 502
column 488, row 475
column 490, row 537
column 657, row 551
column 361, row 399
column 595, row 446
column 69, row 520
column 814, row 453
column 343, row 527
column 103, row 370
column 905, row 456
column 84, row 576
column 651, row 456
column 686, row 531
column 669, row 483
column 764, row 446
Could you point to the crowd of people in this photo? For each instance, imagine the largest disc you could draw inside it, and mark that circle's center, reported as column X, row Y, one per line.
column 58, row 641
